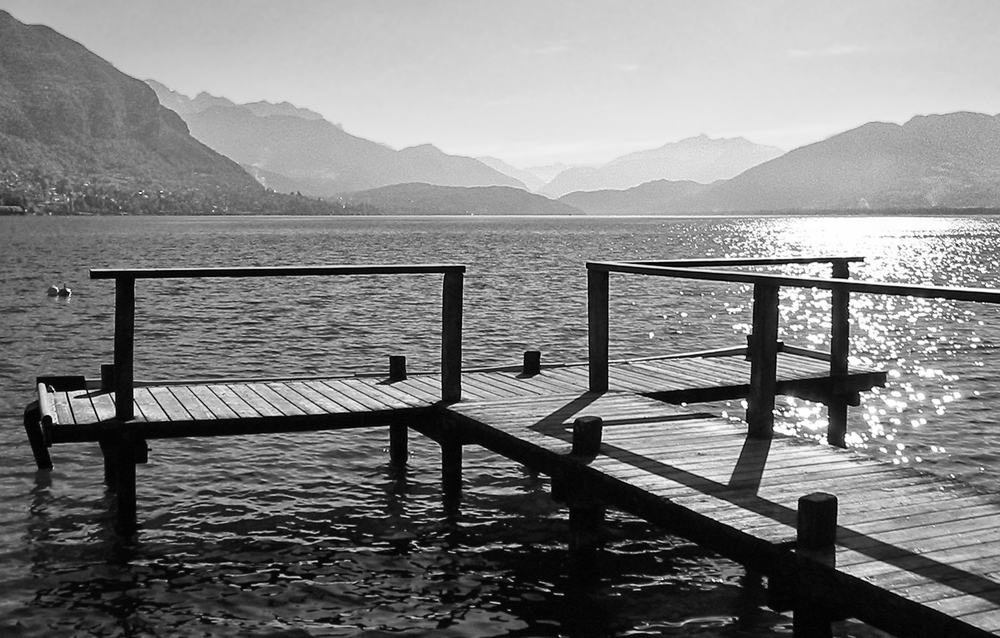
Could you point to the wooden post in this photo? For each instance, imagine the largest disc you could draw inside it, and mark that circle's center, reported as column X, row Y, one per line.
column 587, row 431
column 36, row 436
column 763, row 361
column 397, row 368
column 451, row 470
column 399, row 452
column 816, row 536
column 121, row 453
column 107, row 377
column 817, row 522
column 840, row 345
column 532, row 363
column 124, row 345
column 585, row 519
column 451, row 337
column 598, row 327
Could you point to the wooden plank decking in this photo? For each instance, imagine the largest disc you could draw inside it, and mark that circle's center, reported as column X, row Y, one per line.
column 248, row 407
column 915, row 555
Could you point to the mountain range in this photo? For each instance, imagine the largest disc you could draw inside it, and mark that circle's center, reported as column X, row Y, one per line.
column 947, row 161
column 73, row 125
column 428, row 199
column 698, row 159
column 936, row 161
column 67, row 116
column 313, row 156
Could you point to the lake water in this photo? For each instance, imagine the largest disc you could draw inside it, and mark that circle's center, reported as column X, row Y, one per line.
column 314, row 535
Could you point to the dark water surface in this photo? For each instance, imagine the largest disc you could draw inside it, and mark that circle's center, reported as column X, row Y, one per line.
column 314, row 535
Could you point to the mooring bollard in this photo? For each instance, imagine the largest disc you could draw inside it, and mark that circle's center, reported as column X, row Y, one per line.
column 397, row 368
column 817, row 522
column 587, row 431
column 107, row 377
column 816, row 536
column 532, row 363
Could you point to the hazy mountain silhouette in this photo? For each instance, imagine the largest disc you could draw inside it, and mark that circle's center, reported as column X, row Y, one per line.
column 699, row 159
column 428, row 199
column 525, row 176
column 67, row 114
column 948, row 160
column 184, row 105
column 318, row 155
column 660, row 197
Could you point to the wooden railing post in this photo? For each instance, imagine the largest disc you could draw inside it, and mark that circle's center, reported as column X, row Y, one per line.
column 451, row 337
column 840, row 345
column 763, row 344
column 598, row 328
column 124, row 347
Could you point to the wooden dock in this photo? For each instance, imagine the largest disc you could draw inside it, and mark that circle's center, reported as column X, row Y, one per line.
column 836, row 534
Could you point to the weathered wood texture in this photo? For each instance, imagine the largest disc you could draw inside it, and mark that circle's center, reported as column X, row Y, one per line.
column 248, row 407
column 122, row 370
column 914, row 554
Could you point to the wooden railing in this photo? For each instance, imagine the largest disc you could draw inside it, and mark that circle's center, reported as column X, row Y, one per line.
column 763, row 344
column 122, row 370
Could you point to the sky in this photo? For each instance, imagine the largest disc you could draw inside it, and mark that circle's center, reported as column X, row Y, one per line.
column 537, row 82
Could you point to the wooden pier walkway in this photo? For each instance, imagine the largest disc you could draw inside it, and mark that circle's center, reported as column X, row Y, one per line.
column 836, row 534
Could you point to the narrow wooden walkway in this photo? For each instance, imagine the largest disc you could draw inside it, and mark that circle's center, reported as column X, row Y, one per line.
column 915, row 555
column 250, row 407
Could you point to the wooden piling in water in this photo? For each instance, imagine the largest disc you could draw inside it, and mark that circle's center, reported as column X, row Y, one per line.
column 451, row 471
column 399, row 450
column 122, row 451
column 36, row 437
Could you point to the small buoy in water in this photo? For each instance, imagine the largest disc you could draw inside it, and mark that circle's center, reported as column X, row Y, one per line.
column 65, row 291
column 53, row 291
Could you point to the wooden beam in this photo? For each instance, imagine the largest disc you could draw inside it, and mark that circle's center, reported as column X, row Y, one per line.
column 36, row 436
column 840, row 346
column 763, row 361
column 273, row 271
column 598, row 327
column 983, row 295
column 451, row 337
column 124, row 347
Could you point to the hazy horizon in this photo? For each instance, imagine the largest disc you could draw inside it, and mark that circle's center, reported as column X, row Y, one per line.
column 537, row 83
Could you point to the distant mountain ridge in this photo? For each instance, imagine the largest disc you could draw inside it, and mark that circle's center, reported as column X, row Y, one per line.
column 184, row 105
column 427, row 199
column 316, row 157
column 660, row 197
column 67, row 114
column 698, row 159
column 950, row 160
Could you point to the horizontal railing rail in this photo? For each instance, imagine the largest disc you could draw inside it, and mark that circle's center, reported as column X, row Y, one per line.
column 275, row 271
column 122, row 370
column 955, row 293
column 763, row 344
